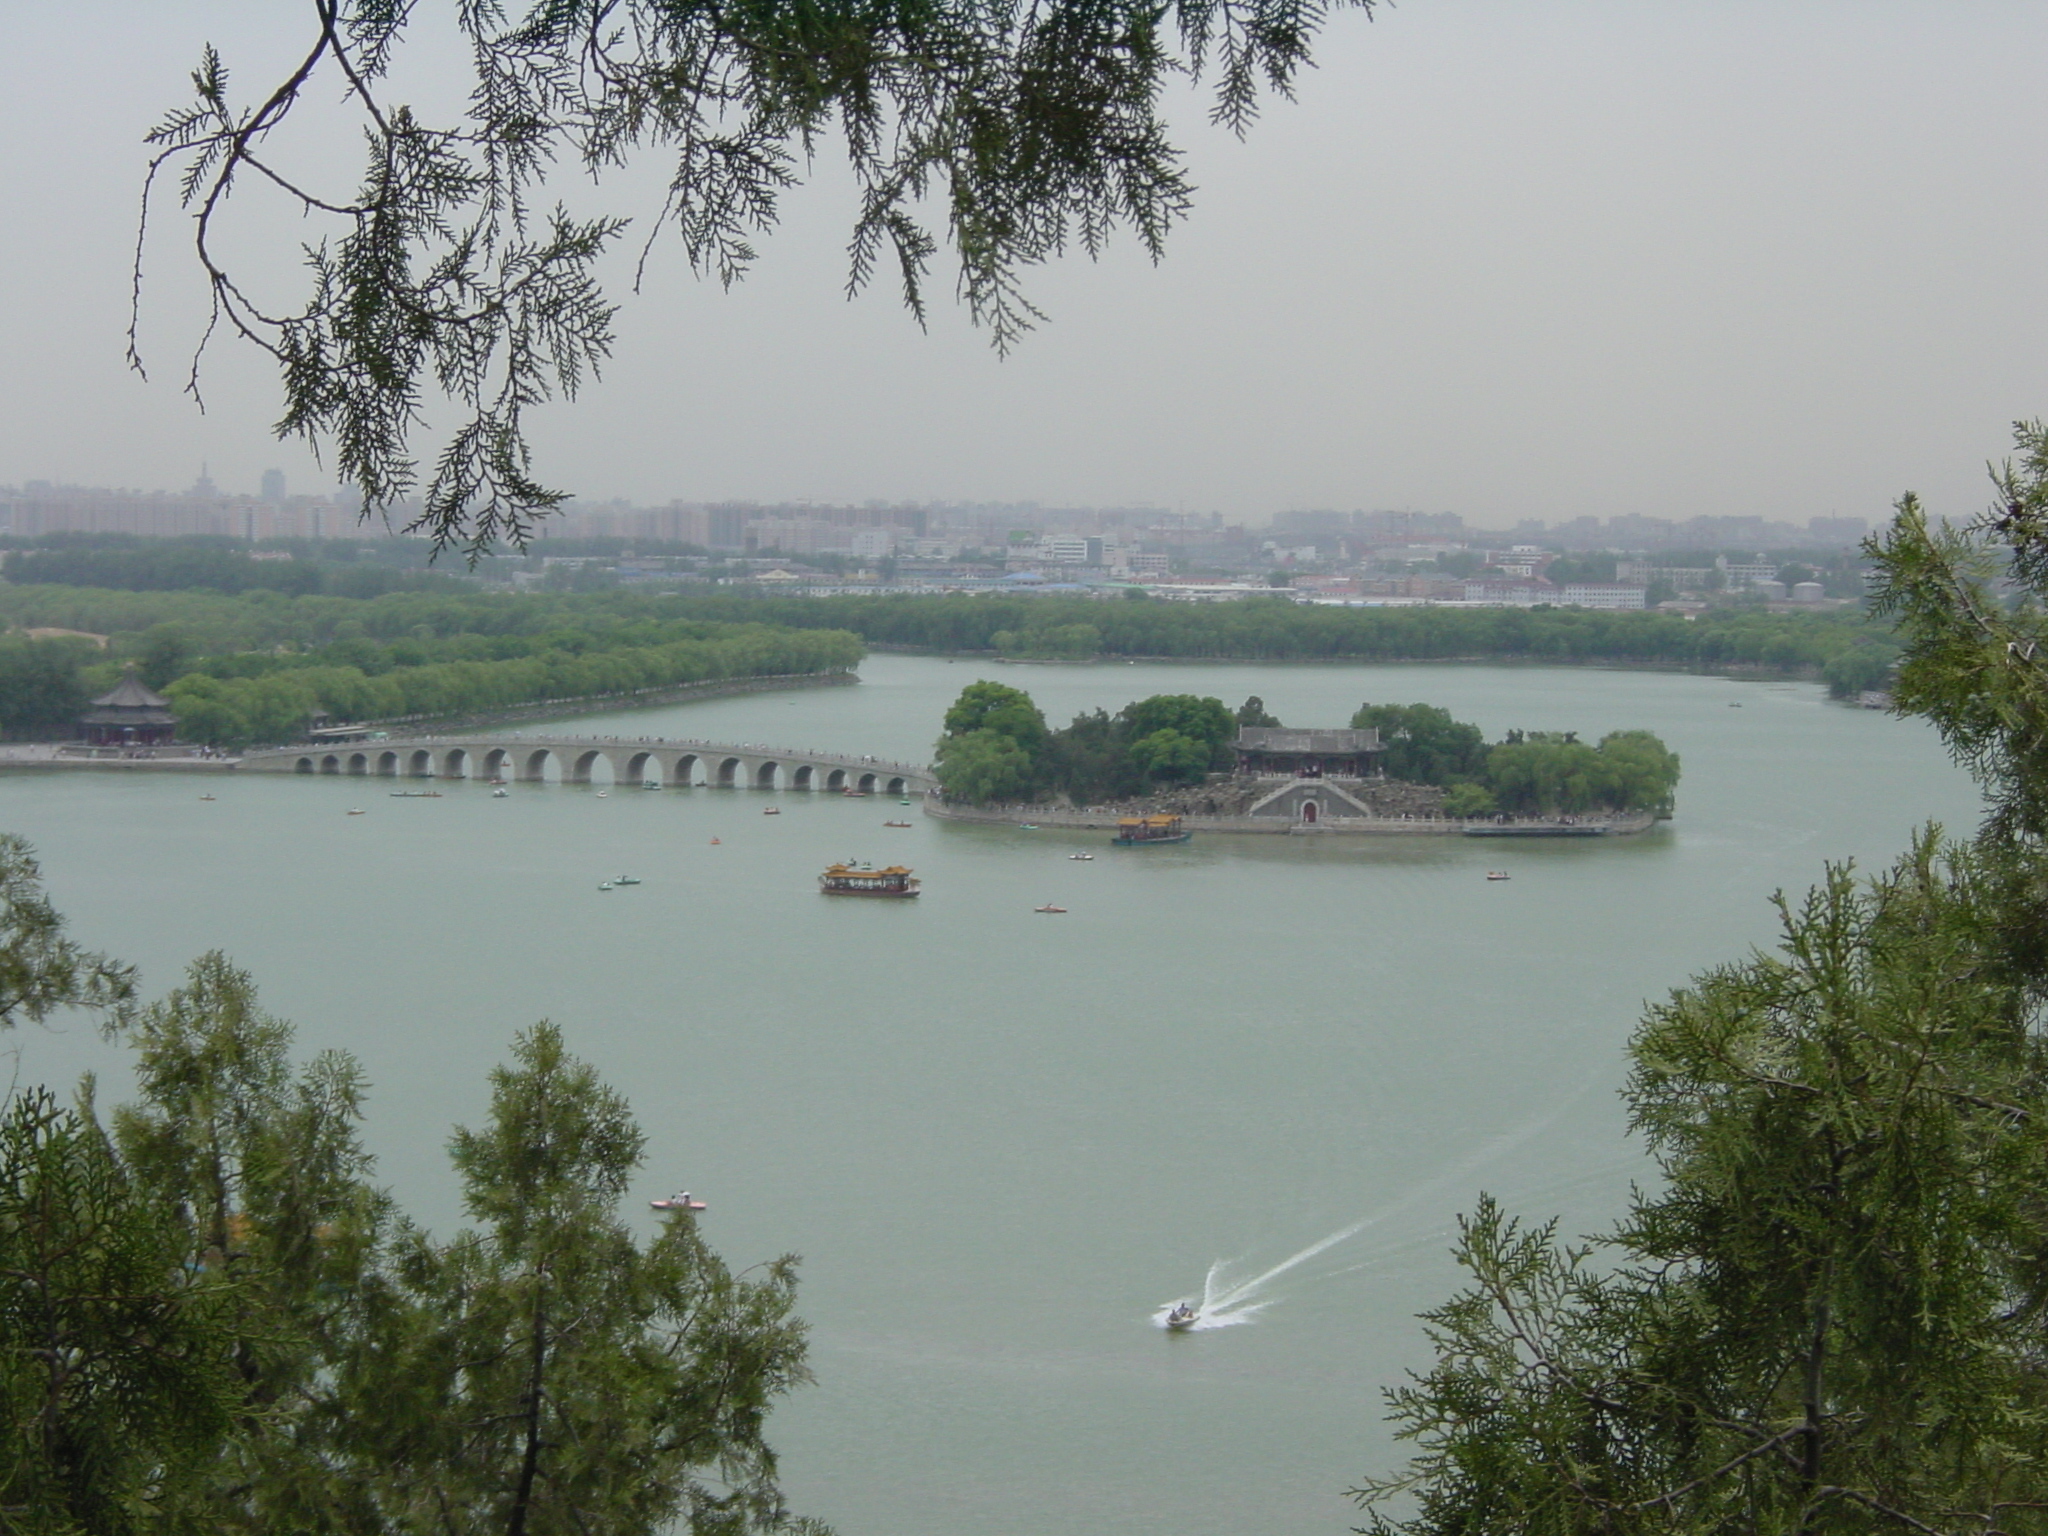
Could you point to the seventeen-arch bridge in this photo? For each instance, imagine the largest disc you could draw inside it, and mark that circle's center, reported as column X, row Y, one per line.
column 528, row 759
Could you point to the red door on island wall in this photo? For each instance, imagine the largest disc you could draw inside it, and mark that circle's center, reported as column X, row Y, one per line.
column 1308, row 811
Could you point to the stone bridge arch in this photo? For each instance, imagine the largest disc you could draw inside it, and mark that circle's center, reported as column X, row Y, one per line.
column 682, row 773
column 303, row 765
column 534, row 770
column 358, row 763
column 765, row 773
column 455, row 765
column 725, row 775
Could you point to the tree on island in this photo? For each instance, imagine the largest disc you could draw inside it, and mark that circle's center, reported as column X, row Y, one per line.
column 1545, row 772
column 1202, row 721
column 449, row 271
column 1825, row 1316
column 1009, row 712
column 1167, row 757
column 984, row 766
column 1422, row 744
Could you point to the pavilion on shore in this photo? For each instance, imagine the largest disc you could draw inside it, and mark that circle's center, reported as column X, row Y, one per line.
column 133, row 715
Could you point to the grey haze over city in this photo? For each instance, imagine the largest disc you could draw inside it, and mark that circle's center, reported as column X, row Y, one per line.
column 1513, row 260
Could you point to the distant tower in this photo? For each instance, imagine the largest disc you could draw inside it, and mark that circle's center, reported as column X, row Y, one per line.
column 273, row 485
column 205, row 485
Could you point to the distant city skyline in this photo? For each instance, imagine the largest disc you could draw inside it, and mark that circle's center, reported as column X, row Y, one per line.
column 38, row 507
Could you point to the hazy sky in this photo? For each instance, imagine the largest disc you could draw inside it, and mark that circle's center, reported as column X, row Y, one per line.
column 1512, row 258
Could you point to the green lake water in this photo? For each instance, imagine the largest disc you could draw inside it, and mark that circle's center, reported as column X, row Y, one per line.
column 1002, row 1140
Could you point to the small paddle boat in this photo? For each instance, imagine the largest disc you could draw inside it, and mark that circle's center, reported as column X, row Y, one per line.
column 206, row 797
column 771, row 810
column 895, row 823
column 1496, row 874
column 625, row 879
column 1085, row 857
column 500, row 793
column 680, row 1202
column 355, row 813
column 1048, row 907
column 1183, row 1317
column 607, row 885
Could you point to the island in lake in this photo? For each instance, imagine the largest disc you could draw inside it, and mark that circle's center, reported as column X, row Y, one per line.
column 1394, row 769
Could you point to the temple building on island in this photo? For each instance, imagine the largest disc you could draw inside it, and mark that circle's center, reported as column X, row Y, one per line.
column 1314, row 775
column 131, row 716
column 1273, row 751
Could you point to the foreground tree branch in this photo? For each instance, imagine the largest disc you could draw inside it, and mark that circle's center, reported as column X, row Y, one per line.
column 1006, row 133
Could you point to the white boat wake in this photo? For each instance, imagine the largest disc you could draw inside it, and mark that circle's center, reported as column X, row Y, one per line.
column 1226, row 1303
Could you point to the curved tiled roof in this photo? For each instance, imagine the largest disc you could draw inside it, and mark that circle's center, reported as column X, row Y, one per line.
column 130, row 693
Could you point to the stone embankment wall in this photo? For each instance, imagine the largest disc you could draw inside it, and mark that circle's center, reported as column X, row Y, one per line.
column 1228, row 795
column 1104, row 819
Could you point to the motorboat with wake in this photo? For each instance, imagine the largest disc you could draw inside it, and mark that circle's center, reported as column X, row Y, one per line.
column 1183, row 1317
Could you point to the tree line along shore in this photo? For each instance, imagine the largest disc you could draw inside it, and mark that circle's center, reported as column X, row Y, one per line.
column 1849, row 650
column 262, row 667
column 260, row 664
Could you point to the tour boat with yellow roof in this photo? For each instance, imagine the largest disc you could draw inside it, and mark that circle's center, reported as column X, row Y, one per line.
column 861, row 880
column 1149, row 831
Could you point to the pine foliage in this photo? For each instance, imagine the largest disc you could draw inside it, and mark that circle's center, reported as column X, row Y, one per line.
column 211, row 1320
column 1825, row 1315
